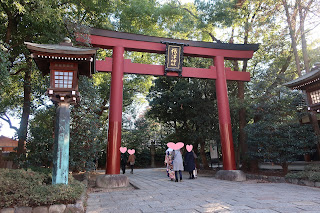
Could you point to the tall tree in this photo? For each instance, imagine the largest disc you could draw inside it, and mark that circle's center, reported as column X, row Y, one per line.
column 239, row 19
column 48, row 22
column 41, row 22
column 301, row 8
column 16, row 15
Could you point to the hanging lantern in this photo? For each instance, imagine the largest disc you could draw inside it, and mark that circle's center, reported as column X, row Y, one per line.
column 64, row 63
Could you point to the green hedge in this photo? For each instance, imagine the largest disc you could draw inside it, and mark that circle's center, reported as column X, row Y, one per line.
column 30, row 188
column 311, row 172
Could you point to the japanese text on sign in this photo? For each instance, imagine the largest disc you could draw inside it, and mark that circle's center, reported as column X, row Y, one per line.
column 174, row 56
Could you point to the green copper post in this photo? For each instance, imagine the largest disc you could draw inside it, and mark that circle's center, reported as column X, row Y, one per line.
column 61, row 145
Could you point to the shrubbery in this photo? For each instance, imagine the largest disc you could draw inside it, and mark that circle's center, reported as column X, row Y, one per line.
column 280, row 143
column 30, row 188
column 311, row 172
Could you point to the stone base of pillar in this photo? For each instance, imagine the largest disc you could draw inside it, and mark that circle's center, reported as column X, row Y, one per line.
column 232, row 175
column 112, row 181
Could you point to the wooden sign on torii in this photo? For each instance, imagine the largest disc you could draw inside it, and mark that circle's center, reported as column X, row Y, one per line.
column 117, row 65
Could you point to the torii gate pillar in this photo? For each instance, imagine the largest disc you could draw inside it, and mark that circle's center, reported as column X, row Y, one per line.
column 115, row 112
column 224, row 115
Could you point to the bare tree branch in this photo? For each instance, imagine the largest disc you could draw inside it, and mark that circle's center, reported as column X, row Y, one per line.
column 213, row 38
column 282, row 70
column 7, row 119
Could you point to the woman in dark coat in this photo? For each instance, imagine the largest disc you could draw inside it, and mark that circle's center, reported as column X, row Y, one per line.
column 189, row 163
column 123, row 162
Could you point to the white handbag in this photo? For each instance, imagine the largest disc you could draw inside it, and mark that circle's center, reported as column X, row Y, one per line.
column 195, row 173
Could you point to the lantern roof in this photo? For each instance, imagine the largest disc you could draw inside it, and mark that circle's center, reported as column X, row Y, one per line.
column 42, row 54
column 307, row 80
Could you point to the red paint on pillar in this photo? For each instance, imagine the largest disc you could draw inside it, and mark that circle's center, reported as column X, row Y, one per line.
column 224, row 115
column 115, row 112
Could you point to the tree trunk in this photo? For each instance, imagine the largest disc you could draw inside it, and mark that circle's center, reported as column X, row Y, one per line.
column 26, row 110
column 241, row 150
column 285, row 166
column 303, row 40
column 195, row 148
column 254, row 165
column 242, row 111
column 12, row 24
column 291, row 24
column 241, row 115
column 203, row 154
column 242, row 118
column 1, row 159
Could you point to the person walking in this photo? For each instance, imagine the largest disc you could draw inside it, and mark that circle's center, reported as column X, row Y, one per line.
column 123, row 162
column 177, row 164
column 189, row 163
column 131, row 160
column 168, row 163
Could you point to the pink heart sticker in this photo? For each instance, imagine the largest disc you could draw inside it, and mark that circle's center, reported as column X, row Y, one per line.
column 123, row 149
column 189, row 148
column 131, row 151
column 175, row 146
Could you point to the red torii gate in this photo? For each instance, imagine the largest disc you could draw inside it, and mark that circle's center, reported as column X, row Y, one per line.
column 117, row 65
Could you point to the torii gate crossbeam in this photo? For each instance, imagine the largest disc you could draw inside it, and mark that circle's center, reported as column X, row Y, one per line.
column 157, row 70
column 117, row 65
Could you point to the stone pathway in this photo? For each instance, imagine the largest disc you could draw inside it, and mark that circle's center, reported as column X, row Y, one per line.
column 157, row 193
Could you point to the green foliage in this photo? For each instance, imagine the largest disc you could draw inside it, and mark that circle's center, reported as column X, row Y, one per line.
column 85, row 128
column 4, row 65
column 298, row 175
column 88, row 125
column 85, row 135
column 312, row 167
column 186, row 108
column 218, row 12
column 139, row 132
column 39, row 21
column 40, row 140
column 33, row 21
column 280, row 143
column 143, row 158
column 143, row 17
column 314, row 176
column 42, row 170
column 311, row 172
column 29, row 188
column 187, row 105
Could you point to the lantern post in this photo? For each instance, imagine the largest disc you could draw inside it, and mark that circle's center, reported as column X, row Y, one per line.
column 64, row 63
